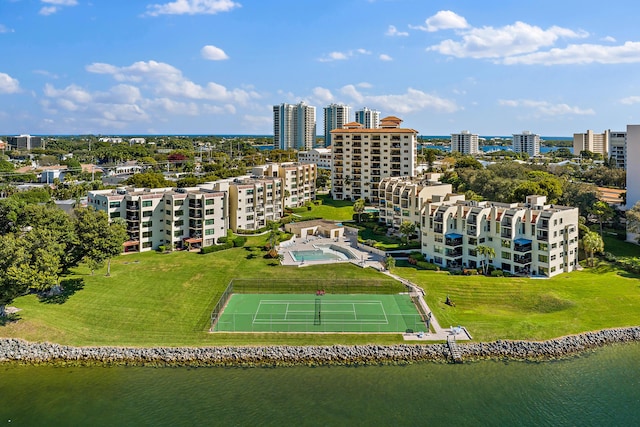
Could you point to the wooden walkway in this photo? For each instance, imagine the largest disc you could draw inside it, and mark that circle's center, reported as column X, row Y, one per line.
column 456, row 355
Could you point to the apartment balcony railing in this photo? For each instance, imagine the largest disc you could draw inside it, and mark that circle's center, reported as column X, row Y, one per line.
column 522, row 248
column 133, row 217
column 524, row 259
column 133, row 206
column 453, row 253
column 455, row 241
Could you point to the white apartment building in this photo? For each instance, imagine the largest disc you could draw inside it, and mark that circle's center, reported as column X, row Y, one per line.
column 321, row 157
column 618, row 148
column 591, row 141
column 464, row 142
column 298, row 180
column 253, row 202
column 403, row 199
column 530, row 239
column 633, row 170
column 294, row 126
column 369, row 119
column 335, row 116
column 362, row 157
column 526, row 142
column 184, row 217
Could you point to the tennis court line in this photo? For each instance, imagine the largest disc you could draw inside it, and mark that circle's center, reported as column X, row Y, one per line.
column 287, row 303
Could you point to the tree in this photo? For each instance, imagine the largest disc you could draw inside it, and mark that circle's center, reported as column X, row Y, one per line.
column 487, row 253
column 592, row 243
column 12, row 260
column 358, row 207
column 100, row 240
column 602, row 211
column 148, row 180
column 407, row 228
column 389, row 262
column 633, row 220
column 274, row 233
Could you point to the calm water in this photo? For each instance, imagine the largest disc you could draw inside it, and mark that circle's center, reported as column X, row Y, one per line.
column 599, row 389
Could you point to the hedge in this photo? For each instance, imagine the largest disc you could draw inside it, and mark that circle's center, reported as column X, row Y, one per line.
column 216, row 248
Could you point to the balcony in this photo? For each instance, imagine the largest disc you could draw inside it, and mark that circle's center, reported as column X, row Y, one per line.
column 195, row 213
column 472, row 230
column 544, row 224
column 522, row 259
column 437, row 228
column 543, row 236
column 133, row 206
column 453, row 253
column 522, row 245
column 506, row 233
column 195, row 204
column 453, row 239
column 133, row 217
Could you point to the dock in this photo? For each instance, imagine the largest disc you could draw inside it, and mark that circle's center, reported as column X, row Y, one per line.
column 456, row 355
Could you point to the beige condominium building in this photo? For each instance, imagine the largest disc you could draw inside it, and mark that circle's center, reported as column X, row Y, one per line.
column 403, row 198
column 184, row 218
column 591, row 141
column 362, row 157
column 298, row 180
column 321, row 157
column 529, row 239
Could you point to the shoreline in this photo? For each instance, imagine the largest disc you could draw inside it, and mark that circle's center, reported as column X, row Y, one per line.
column 18, row 351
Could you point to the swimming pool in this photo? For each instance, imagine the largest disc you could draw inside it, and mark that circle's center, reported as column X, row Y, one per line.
column 323, row 253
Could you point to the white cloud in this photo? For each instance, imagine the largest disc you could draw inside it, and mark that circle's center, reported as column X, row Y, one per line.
column 627, row 53
column 443, row 20
column 213, row 53
column 608, row 39
column 411, row 101
column 385, row 57
column 56, row 6
column 46, row 74
column 393, row 32
column 341, row 56
column 545, row 108
column 166, row 80
column 8, row 84
column 364, row 85
column 4, row 29
column 192, row 7
column 516, row 39
column 630, row 100
column 323, row 95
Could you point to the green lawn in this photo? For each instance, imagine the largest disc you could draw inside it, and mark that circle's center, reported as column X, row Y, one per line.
column 165, row 299
column 334, row 210
column 518, row 308
column 620, row 248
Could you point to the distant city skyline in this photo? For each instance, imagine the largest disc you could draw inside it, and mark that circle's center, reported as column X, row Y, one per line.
column 160, row 67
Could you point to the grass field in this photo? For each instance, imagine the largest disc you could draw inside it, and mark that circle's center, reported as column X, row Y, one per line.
column 336, row 210
column 166, row 299
column 326, row 313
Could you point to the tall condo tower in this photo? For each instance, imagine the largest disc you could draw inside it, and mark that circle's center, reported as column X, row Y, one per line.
column 294, row 126
column 369, row 119
column 335, row 116
column 464, row 142
column 526, row 142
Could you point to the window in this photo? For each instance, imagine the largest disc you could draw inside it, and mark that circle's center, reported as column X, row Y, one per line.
column 543, row 258
column 543, row 246
column 505, row 255
column 179, row 213
column 209, row 212
column 147, row 223
column 178, row 223
column 147, row 234
column 209, row 202
column 115, row 215
column 208, row 221
column 147, row 214
column 209, row 232
column 506, row 243
column 114, row 204
column 178, row 202
column 177, row 233
column 166, row 221
column 146, row 244
column 147, row 203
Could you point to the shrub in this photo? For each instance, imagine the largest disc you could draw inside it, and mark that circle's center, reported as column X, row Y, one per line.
column 239, row 242
column 222, row 239
column 424, row 265
column 416, row 256
column 497, row 273
column 216, row 248
column 318, row 202
column 470, row 272
column 272, row 254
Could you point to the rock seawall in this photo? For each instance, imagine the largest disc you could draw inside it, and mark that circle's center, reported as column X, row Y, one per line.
column 20, row 351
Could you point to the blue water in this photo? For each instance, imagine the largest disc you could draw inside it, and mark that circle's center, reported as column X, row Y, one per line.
column 489, row 148
column 597, row 389
column 315, row 255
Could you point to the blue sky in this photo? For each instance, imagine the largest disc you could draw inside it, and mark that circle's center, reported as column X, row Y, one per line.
column 218, row 66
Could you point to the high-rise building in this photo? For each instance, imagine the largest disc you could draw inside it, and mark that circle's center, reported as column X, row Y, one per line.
column 298, row 179
column 464, row 142
column 294, row 126
column 633, row 170
column 369, row 119
column 25, row 142
column 526, row 142
column 591, row 141
column 618, row 148
column 362, row 157
column 335, row 116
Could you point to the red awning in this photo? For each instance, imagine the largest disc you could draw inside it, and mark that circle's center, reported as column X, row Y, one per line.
column 192, row 240
column 131, row 243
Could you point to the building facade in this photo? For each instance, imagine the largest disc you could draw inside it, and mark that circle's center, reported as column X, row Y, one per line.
column 464, row 142
column 183, row 218
column 526, row 142
column 25, row 142
column 362, row 157
column 529, row 239
column 633, row 171
column 591, row 141
column 335, row 117
column 369, row 119
column 321, row 157
column 298, row 181
column 403, row 199
column 294, row 126
column 618, row 148
column 253, row 202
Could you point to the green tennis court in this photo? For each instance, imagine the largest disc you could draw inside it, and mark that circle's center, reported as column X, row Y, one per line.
column 314, row 313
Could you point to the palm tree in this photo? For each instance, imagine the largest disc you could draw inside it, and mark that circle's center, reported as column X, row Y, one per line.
column 358, row 207
column 592, row 243
column 488, row 253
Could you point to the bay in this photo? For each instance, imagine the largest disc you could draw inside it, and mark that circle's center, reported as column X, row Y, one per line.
column 596, row 388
